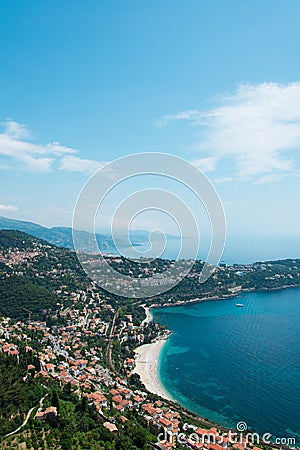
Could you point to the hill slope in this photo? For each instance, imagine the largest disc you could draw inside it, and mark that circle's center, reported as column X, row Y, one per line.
column 31, row 271
column 60, row 236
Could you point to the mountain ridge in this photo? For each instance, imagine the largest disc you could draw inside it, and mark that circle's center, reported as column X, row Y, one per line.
column 59, row 236
column 63, row 236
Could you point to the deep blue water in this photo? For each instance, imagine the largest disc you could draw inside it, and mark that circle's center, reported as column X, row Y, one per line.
column 231, row 364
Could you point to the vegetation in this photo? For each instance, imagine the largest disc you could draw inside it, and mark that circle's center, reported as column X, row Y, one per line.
column 77, row 426
column 17, row 239
column 46, row 283
column 19, row 296
column 16, row 395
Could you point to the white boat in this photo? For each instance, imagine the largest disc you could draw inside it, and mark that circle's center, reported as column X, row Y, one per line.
column 240, row 305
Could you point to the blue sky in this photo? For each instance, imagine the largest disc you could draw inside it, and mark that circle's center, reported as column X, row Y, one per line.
column 215, row 82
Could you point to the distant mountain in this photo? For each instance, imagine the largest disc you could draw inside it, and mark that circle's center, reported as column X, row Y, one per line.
column 63, row 237
column 60, row 236
column 142, row 236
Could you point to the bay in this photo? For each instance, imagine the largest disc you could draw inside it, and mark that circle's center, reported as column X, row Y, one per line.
column 233, row 364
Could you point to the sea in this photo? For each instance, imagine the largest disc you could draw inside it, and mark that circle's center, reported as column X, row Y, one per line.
column 237, row 250
column 232, row 364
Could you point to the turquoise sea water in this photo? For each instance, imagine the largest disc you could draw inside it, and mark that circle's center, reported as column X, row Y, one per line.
column 231, row 364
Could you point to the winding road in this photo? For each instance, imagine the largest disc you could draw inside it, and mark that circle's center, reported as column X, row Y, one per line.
column 26, row 418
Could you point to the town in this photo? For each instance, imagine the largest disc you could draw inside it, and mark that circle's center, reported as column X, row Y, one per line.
column 84, row 343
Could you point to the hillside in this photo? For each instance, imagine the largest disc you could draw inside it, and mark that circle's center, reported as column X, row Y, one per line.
column 17, row 239
column 32, row 273
column 18, row 296
column 60, row 236
column 63, row 237
column 72, row 347
column 55, row 317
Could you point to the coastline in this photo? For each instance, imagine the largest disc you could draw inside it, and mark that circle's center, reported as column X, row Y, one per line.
column 222, row 297
column 211, row 418
column 147, row 355
column 146, row 366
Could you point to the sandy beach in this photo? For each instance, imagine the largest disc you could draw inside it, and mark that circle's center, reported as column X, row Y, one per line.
column 146, row 358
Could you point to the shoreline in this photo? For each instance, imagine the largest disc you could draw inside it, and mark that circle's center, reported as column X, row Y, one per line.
column 147, row 355
column 220, row 298
column 146, row 366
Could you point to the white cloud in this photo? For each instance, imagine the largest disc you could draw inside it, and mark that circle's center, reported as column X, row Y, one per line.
column 16, row 144
column 55, row 148
column 8, row 208
column 189, row 114
column 76, row 164
column 16, row 130
column 205, row 164
column 271, row 178
column 256, row 126
column 35, row 164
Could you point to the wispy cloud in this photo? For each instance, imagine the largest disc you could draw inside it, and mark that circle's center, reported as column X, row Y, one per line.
column 76, row 164
column 271, row 178
column 8, row 208
column 189, row 114
column 16, row 130
column 16, row 144
column 205, row 164
column 256, row 126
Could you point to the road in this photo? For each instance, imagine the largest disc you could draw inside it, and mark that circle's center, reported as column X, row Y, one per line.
column 26, row 418
column 110, row 343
